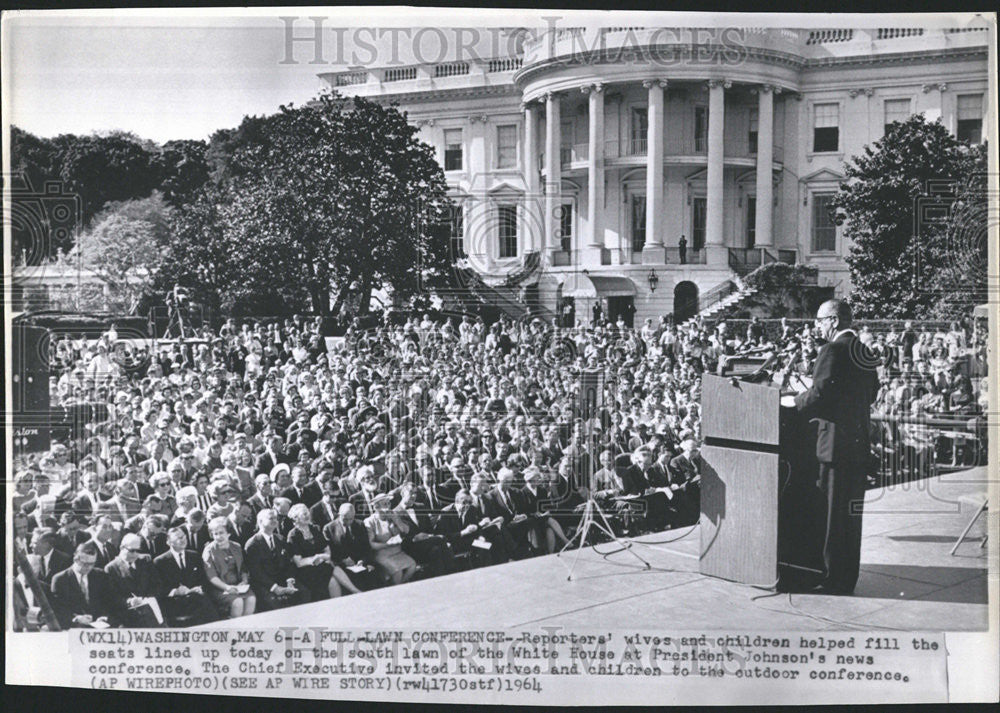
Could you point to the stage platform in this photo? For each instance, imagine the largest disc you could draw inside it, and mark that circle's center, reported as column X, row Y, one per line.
column 908, row 581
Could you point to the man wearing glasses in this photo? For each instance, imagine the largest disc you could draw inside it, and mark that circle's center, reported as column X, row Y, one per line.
column 83, row 595
column 845, row 384
column 136, row 583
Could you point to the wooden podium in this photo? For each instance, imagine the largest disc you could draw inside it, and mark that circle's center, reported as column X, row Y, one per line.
column 757, row 469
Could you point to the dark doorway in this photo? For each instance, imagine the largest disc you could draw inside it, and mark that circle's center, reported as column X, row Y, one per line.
column 751, row 221
column 624, row 306
column 685, row 301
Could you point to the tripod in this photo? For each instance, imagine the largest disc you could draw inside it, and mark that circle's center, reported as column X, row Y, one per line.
column 589, row 520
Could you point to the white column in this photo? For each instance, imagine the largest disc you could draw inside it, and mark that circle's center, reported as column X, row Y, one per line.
column 532, row 214
column 553, row 177
column 591, row 255
column 653, row 252
column 714, row 205
column 765, row 160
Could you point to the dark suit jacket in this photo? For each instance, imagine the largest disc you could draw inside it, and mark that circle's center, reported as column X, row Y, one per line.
column 451, row 523
column 361, row 508
column 495, row 507
column 682, row 471
column 193, row 574
column 321, row 516
column 840, row 399
column 258, row 503
column 144, row 581
column 154, row 545
column 534, row 502
column 197, row 540
column 58, row 561
column 268, row 567
column 68, row 600
column 311, row 494
column 347, row 542
column 635, row 482
column 104, row 559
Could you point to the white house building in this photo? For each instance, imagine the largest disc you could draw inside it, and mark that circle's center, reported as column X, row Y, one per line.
column 591, row 151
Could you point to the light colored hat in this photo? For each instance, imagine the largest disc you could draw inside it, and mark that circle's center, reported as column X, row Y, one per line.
column 278, row 468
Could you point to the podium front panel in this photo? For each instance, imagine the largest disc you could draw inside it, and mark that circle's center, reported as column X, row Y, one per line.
column 741, row 412
column 739, row 515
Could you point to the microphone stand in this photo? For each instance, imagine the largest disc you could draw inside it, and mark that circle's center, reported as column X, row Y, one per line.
column 593, row 515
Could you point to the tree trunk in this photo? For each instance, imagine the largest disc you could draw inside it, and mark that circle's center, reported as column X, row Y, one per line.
column 320, row 297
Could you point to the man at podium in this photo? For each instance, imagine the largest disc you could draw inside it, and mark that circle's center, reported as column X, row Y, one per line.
column 844, row 385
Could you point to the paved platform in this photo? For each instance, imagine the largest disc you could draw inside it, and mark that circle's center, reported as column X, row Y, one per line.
column 908, row 581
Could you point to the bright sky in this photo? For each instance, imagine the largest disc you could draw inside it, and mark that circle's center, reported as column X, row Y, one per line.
column 183, row 74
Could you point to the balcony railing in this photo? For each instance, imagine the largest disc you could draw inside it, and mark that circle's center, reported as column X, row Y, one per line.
column 508, row 64
column 451, row 69
column 627, row 256
column 679, row 146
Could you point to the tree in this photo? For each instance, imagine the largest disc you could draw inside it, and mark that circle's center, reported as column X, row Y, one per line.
column 124, row 249
column 100, row 169
column 315, row 204
column 900, row 252
column 183, row 168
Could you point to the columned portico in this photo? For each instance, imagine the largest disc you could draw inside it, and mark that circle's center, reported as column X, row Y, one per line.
column 553, row 174
column 653, row 251
column 595, row 173
column 714, row 204
column 765, row 156
column 532, row 226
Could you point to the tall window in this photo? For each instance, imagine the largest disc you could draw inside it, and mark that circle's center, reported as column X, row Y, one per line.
column 752, row 126
column 640, row 131
column 453, row 150
column 970, row 118
column 506, row 147
column 701, row 129
column 751, row 235
column 456, row 231
column 507, row 220
column 826, row 127
column 638, row 223
column 824, row 230
column 896, row 110
column 698, row 213
column 566, row 227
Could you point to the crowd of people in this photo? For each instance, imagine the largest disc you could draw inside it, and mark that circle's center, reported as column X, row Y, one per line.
column 260, row 466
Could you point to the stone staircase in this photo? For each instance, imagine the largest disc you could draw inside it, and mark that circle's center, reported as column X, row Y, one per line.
column 720, row 299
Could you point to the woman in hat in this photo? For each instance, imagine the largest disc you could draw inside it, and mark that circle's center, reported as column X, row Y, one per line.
column 394, row 565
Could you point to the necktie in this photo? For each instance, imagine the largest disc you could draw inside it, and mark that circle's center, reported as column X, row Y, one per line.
column 85, row 589
column 182, row 561
column 44, row 568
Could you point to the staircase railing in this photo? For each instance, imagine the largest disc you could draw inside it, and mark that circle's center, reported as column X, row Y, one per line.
column 709, row 299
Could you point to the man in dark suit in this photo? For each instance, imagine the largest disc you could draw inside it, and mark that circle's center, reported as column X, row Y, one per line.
column 70, row 533
column 135, row 577
column 153, row 536
column 195, row 531
column 685, row 483
column 350, row 546
column 183, row 583
column 104, row 536
column 465, row 523
column 845, row 383
column 643, row 478
column 52, row 560
column 325, row 511
column 269, row 562
column 504, row 502
column 303, row 490
column 83, row 594
column 262, row 499
column 272, row 455
column 419, row 539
